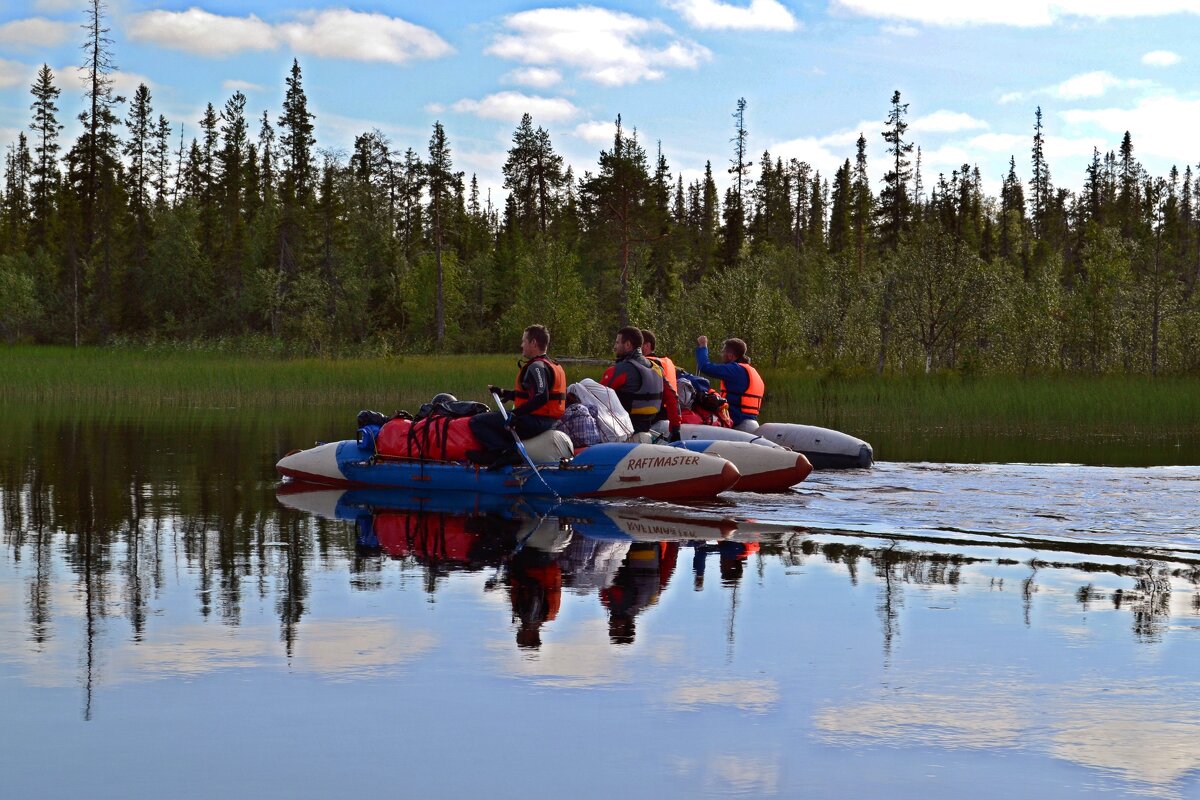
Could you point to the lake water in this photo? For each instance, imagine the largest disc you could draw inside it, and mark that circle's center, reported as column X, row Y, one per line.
column 174, row 623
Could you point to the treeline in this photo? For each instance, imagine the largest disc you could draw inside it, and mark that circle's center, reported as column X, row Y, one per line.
column 249, row 232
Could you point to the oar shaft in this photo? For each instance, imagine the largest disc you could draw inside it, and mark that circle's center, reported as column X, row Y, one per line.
column 521, row 445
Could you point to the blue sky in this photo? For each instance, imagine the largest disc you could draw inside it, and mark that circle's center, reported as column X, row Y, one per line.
column 814, row 72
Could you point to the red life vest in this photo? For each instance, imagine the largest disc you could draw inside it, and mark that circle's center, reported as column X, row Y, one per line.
column 750, row 402
column 669, row 372
column 557, row 404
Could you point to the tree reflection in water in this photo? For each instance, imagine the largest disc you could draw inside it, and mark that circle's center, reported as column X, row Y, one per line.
column 118, row 513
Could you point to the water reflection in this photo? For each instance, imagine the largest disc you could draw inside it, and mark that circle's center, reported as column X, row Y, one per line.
column 134, row 564
column 537, row 550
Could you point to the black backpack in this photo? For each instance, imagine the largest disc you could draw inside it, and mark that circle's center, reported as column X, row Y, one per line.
column 454, row 409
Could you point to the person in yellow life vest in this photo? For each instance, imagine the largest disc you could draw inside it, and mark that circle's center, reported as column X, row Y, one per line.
column 539, row 399
column 639, row 582
column 639, row 386
column 741, row 384
column 670, row 406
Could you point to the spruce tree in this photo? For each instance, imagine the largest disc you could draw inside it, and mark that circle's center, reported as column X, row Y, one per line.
column 617, row 199
column 800, row 179
column 1012, row 209
column 296, row 141
column 533, row 173
column 709, row 213
column 863, row 205
column 840, row 210
column 231, row 192
column 139, row 150
column 1039, row 183
column 268, row 160
column 14, row 224
column 296, row 144
column 735, row 207
column 45, row 127
column 443, row 183
column 162, row 161
column 94, row 169
column 894, row 200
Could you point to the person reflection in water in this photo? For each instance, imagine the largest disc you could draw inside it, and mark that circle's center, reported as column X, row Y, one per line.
column 643, row 575
column 732, row 557
column 535, row 591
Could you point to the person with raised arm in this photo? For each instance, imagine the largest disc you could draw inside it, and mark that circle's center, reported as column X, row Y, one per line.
column 741, row 384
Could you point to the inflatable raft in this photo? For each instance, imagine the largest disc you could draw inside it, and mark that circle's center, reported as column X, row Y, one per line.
column 651, row 471
column 599, row 521
column 763, row 469
column 823, row 447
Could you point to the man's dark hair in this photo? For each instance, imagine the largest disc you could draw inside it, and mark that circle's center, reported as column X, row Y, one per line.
column 631, row 335
column 648, row 338
column 736, row 346
column 538, row 335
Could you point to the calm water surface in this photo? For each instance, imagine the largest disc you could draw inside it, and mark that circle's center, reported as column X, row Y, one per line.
column 173, row 623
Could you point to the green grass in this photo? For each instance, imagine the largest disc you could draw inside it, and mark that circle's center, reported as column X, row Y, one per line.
column 1059, row 406
column 94, row 379
column 99, row 377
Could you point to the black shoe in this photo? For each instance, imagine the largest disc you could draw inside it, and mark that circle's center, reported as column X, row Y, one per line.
column 508, row 458
column 484, row 458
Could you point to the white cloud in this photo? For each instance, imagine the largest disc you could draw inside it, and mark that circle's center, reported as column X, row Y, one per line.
column 203, row 33
column 900, row 30
column 948, row 157
column 1093, row 84
column 608, row 47
column 335, row 33
column 234, row 85
column 823, row 153
column 594, row 132
column 1022, row 13
column 1160, row 126
column 36, row 32
column 13, row 73
column 537, row 77
column 943, row 121
column 1001, row 142
column 341, row 33
column 1161, row 58
column 1079, row 87
column 828, row 152
column 123, row 83
column 759, row 15
column 337, row 130
column 511, row 105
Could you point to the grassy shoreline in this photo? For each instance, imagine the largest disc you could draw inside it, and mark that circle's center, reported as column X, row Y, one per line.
column 94, row 379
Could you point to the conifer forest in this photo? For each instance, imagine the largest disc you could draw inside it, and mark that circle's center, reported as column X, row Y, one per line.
column 250, row 233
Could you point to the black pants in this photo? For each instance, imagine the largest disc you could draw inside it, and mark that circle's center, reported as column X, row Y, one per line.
column 641, row 422
column 489, row 429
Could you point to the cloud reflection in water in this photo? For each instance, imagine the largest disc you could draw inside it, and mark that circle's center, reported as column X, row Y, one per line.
column 1137, row 734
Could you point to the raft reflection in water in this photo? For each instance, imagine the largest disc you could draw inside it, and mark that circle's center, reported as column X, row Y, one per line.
column 625, row 554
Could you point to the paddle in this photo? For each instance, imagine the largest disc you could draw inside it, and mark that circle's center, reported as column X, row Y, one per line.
column 491, row 582
column 521, row 445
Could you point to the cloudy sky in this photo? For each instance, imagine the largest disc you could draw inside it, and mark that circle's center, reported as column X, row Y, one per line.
column 814, row 73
